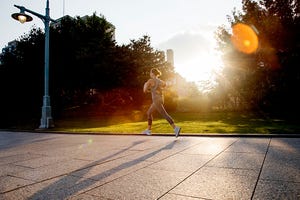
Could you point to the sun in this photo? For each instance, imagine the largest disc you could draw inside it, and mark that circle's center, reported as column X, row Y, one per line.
column 202, row 68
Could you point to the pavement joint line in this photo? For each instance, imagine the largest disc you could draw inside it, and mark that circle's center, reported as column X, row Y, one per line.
column 278, row 180
column 10, row 175
column 150, row 163
column 22, row 165
column 278, row 186
column 182, row 195
column 35, row 182
column 61, row 175
column 262, row 165
column 47, row 179
column 198, row 169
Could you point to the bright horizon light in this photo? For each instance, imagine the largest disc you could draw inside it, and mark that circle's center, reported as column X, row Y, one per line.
column 203, row 67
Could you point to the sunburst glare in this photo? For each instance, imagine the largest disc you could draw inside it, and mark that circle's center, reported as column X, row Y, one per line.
column 202, row 68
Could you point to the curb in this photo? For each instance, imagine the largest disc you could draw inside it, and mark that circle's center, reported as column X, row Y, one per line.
column 259, row 135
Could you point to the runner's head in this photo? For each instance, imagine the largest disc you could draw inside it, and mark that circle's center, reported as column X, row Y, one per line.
column 155, row 72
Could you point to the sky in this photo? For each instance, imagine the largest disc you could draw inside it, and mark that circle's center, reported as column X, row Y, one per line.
column 185, row 26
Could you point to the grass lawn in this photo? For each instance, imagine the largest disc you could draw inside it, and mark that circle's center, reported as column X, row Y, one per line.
column 191, row 123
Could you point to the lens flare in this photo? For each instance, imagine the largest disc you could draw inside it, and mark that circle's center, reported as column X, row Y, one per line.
column 89, row 142
column 244, row 38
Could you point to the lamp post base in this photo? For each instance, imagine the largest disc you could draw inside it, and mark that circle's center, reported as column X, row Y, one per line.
column 46, row 120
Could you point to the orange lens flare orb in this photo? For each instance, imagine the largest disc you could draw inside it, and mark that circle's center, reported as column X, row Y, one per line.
column 244, row 38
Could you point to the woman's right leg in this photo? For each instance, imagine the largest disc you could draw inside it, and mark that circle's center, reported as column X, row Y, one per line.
column 150, row 116
column 161, row 109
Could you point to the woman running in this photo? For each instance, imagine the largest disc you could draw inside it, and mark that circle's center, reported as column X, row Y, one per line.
column 156, row 86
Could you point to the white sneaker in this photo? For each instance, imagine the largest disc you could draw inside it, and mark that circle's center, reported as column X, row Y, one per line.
column 147, row 132
column 177, row 131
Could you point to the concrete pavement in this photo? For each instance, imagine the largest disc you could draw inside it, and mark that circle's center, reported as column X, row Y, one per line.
column 68, row 166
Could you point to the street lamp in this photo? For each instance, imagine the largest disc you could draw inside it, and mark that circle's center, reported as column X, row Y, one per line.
column 46, row 119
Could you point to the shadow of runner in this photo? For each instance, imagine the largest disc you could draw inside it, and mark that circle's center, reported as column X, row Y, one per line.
column 58, row 189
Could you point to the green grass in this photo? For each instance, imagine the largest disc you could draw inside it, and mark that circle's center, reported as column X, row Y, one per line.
column 191, row 123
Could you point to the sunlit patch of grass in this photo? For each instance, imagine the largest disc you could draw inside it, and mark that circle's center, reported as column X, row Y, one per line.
column 191, row 123
column 206, row 127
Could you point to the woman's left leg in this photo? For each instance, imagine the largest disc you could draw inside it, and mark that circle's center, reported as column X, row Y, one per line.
column 161, row 109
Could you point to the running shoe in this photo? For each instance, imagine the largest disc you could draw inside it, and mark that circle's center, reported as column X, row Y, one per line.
column 177, row 131
column 147, row 132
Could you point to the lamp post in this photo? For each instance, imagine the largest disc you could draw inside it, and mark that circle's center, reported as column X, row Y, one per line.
column 46, row 119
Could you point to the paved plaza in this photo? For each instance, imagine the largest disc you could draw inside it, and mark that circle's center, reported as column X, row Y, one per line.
column 138, row 167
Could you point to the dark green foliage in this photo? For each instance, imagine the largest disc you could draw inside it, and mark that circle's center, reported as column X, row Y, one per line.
column 87, row 70
column 21, row 79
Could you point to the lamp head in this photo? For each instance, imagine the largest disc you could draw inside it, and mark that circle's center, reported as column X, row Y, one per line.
column 22, row 17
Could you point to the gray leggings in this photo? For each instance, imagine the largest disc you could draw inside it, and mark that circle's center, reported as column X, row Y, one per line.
column 157, row 104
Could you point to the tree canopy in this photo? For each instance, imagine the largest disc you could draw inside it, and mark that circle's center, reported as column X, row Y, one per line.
column 88, row 68
column 267, row 79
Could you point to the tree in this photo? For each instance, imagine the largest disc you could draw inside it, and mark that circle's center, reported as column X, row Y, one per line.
column 87, row 68
column 144, row 57
column 267, row 79
column 22, row 79
column 136, row 60
column 81, row 51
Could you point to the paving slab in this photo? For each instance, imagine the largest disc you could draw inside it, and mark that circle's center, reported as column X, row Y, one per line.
column 8, row 169
column 144, row 184
column 51, row 171
column 9, row 183
column 57, row 188
column 18, row 157
column 250, row 145
column 111, row 170
column 82, row 166
column 269, row 190
column 182, row 162
column 238, row 160
column 218, row 183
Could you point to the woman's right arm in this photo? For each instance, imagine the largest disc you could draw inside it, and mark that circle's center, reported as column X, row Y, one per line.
column 148, row 85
